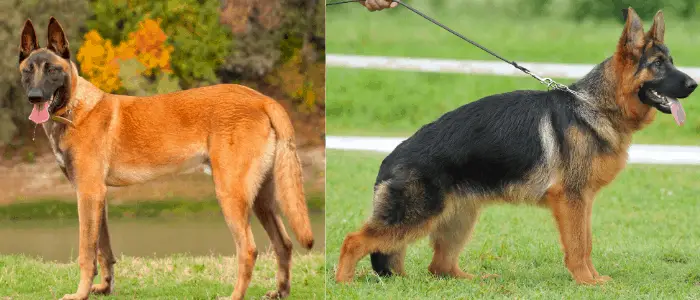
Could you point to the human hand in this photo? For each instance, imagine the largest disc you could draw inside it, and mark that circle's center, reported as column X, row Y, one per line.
column 374, row 5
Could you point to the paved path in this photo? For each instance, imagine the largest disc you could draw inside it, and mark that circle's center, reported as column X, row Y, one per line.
column 638, row 154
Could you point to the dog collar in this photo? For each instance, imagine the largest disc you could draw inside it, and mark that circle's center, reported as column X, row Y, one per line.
column 57, row 118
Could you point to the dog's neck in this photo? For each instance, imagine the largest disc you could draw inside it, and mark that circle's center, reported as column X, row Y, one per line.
column 83, row 98
column 606, row 89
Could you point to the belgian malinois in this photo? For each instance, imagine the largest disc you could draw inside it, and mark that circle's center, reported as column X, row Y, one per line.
column 548, row 148
column 101, row 140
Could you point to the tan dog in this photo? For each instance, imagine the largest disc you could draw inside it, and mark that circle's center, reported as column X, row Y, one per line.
column 101, row 140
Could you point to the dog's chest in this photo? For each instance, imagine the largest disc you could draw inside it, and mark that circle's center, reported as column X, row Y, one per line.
column 54, row 132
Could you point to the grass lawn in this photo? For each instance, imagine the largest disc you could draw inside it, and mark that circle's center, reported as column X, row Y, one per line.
column 351, row 29
column 645, row 237
column 396, row 103
column 179, row 277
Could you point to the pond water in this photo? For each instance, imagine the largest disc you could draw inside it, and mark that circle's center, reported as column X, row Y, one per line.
column 150, row 237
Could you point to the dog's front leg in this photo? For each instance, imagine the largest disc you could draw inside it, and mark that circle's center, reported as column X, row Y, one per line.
column 106, row 259
column 91, row 203
column 569, row 210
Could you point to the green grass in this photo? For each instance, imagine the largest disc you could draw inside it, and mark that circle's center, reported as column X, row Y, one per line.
column 644, row 226
column 399, row 32
column 179, row 277
column 396, row 103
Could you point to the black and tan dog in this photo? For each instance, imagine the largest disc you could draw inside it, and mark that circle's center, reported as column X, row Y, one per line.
column 102, row 140
column 547, row 148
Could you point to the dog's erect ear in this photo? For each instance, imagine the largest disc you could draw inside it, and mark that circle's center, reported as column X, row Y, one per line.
column 657, row 30
column 57, row 39
column 28, row 42
column 632, row 39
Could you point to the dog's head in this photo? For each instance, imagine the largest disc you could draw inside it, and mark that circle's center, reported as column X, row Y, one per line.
column 47, row 73
column 648, row 70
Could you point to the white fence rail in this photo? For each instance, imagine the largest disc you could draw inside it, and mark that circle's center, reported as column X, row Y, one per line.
column 570, row 71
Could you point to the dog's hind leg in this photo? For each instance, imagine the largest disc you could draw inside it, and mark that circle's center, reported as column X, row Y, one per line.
column 106, row 259
column 406, row 208
column 265, row 210
column 449, row 238
column 235, row 204
column 386, row 263
column 375, row 237
column 239, row 165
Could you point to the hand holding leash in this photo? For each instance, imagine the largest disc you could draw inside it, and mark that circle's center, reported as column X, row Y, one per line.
column 375, row 5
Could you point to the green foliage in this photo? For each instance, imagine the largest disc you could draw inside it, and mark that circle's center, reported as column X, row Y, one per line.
column 138, row 85
column 14, row 108
column 533, row 7
column 646, row 9
column 193, row 28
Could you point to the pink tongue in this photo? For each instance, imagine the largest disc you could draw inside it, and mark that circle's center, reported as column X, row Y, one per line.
column 678, row 112
column 40, row 113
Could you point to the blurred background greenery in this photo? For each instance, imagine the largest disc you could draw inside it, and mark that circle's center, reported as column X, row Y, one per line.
column 142, row 47
column 396, row 103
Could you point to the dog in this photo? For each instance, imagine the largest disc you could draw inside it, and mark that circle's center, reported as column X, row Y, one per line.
column 100, row 139
column 554, row 149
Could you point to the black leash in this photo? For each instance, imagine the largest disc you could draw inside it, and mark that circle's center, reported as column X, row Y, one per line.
column 550, row 83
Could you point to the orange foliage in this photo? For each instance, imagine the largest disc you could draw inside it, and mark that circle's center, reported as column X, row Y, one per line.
column 99, row 59
column 97, row 62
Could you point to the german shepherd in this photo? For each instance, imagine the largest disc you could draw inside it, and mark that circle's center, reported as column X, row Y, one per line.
column 547, row 148
column 101, row 140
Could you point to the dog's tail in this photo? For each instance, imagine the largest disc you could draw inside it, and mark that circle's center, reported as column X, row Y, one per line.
column 380, row 263
column 289, row 189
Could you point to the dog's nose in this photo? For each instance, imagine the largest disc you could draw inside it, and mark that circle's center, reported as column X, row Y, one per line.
column 35, row 95
column 691, row 84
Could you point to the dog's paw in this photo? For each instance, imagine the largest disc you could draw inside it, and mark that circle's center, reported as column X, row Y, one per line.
column 74, row 297
column 586, row 281
column 276, row 294
column 341, row 278
column 600, row 279
column 101, row 289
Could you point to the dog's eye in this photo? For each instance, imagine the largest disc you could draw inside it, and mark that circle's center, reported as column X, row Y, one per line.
column 658, row 62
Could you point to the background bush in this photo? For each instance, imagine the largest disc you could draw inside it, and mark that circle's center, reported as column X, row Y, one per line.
column 646, row 9
column 142, row 47
column 280, row 42
column 192, row 27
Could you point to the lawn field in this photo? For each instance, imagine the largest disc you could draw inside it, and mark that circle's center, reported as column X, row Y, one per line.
column 179, row 277
column 645, row 237
column 397, row 103
column 553, row 38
